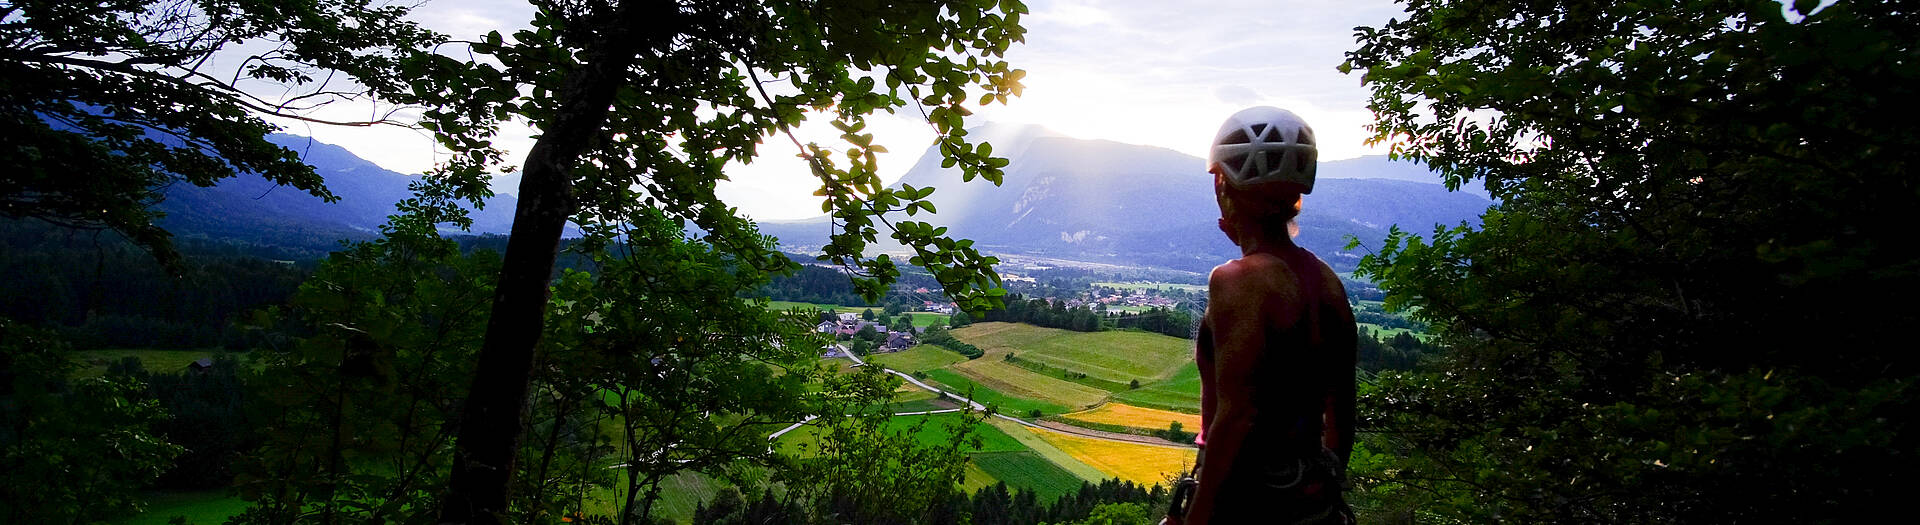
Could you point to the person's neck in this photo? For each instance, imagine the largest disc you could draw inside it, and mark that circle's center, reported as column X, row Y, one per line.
column 1267, row 244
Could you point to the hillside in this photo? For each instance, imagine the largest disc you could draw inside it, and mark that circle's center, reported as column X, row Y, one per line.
column 1104, row 201
column 253, row 209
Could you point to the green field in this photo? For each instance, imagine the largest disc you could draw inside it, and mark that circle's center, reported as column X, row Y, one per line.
column 938, row 429
column 1384, row 333
column 200, row 507
column 1180, row 393
column 1010, row 405
column 1025, row 469
column 1155, row 286
column 915, row 399
column 679, row 494
column 157, row 361
column 1119, row 356
column 920, row 358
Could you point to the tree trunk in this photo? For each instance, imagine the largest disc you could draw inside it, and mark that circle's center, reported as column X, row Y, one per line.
column 490, row 425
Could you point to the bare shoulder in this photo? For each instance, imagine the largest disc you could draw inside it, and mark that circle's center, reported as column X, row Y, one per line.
column 1250, row 281
column 1251, row 273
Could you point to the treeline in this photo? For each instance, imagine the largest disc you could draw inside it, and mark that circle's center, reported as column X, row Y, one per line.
column 1051, row 314
column 1400, row 352
column 1110, row 502
column 1041, row 312
column 98, row 291
column 1167, row 321
column 206, row 415
column 939, row 336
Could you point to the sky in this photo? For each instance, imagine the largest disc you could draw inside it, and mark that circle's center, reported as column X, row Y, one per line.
column 1142, row 72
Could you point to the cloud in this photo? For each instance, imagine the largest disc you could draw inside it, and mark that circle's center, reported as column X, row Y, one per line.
column 1136, row 71
column 1236, row 95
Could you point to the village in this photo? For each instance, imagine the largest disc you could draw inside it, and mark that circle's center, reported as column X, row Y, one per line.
column 859, row 334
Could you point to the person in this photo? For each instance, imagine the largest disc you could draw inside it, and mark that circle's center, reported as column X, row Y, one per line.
column 1276, row 347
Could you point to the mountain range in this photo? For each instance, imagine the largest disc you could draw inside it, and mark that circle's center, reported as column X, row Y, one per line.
column 1108, row 202
column 1062, row 198
column 254, row 209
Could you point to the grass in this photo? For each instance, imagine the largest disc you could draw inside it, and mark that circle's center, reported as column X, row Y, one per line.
column 976, row 479
column 926, row 319
column 1383, row 333
column 1007, row 378
column 200, row 507
column 158, row 361
column 1143, row 464
column 1136, row 417
column 938, row 429
column 1119, row 356
column 1154, row 286
column 1180, row 393
column 1011, row 405
column 920, row 358
column 1027, row 470
column 679, row 494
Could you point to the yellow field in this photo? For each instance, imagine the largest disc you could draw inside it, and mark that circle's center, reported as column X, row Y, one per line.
column 1137, row 417
column 1143, row 464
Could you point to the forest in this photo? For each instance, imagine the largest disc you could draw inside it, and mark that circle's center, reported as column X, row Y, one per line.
column 1699, row 205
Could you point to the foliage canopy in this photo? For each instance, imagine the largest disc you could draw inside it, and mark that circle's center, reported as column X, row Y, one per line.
column 1659, row 321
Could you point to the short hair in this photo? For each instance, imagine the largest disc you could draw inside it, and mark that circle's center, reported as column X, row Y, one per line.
column 1273, row 206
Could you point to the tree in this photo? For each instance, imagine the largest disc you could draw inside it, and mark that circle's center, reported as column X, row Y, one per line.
column 107, row 104
column 72, row 450
column 359, row 411
column 1658, row 323
column 641, row 105
column 867, row 314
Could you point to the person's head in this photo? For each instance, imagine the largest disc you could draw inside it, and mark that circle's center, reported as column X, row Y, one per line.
column 1263, row 159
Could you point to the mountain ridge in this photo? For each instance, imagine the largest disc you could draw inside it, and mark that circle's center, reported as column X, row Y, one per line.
column 1109, row 202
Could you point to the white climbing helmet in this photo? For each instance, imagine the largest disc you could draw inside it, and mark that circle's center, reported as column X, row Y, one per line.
column 1265, row 144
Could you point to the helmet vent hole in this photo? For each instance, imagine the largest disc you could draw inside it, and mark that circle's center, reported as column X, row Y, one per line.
column 1306, row 137
column 1237, row 137
column 1273, row 135
column 1259, row 127
column 1237, row 163
column 1302, row 164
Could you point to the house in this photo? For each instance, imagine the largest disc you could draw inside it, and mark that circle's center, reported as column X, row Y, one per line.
column 200, row 366
column 897, row 341
column 849, row 317
column 825, row 327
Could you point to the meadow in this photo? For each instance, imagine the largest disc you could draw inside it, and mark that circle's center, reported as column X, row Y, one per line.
column 199, row 507
column 994, row 372
column 158, row 361
column 919, row 358
column 1180, row 393
column 1384, row 333
column 1012, row 405
column 1119, row 356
